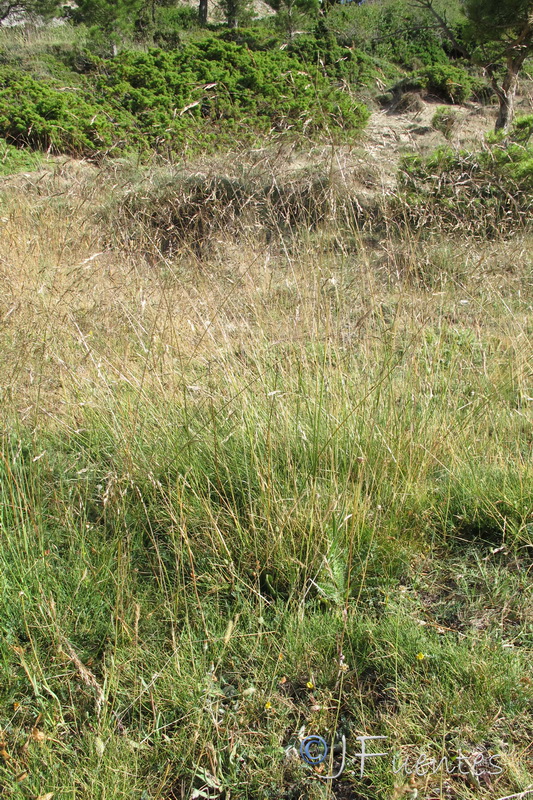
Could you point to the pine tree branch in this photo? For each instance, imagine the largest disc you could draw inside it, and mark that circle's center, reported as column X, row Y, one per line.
column 428, row 5
column 5, row 11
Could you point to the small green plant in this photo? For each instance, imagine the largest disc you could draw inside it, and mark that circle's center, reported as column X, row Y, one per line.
column 293, row 15
column 255, row 39
column 236, row 12
column 444, row 120
column 522, row 130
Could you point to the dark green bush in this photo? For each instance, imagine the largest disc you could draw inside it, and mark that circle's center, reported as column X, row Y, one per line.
column 212, row 85
column 452, row 84
column 338, row 62
column 37, row 115
column 101, row 43
column 392, row 32
column 76, row 59
column 409, row 102
column 178, row 210
column 181, row 211
column 195, row 96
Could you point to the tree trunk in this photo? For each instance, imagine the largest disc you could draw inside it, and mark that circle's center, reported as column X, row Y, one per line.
column 506, row 92
column 506, row 108
column 202, row 12
column 232, row 14
column 290, row 20
column 326, row 5
column 5, row 10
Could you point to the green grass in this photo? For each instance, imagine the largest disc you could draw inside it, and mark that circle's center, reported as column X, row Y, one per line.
column 13, row 160
column 281, row 486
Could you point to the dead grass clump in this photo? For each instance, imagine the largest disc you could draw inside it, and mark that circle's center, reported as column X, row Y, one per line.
column 410, row 102
column 181, row 211
column 307, row 200
column 163, row 215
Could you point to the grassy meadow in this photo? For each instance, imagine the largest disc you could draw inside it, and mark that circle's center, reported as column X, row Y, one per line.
column 266, row 412
column 262, row 481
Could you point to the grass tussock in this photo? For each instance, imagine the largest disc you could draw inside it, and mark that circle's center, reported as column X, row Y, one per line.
column 255, row 487
column 171, row 210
